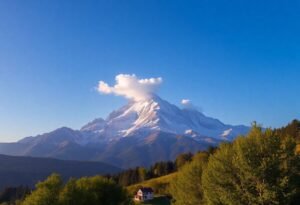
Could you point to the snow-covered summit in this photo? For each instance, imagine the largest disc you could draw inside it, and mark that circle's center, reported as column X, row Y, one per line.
column 156, row 114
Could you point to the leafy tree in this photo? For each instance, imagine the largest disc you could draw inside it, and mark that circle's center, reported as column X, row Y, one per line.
column 187, row 189
column 292, row 129
column 261, row 168
column 69, row 194
column 46, row 192
column 93, row 191
column 87, row 190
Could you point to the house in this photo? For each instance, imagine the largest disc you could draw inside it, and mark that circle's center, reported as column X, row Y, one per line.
column 144, row 194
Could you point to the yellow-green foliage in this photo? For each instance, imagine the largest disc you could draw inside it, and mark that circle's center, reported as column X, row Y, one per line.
column 186, row 188
column 260, row 168
column 46, row 193
column 159, row 185
column 95, row 190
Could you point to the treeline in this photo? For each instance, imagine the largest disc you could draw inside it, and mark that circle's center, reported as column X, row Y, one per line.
column 140, row 174
column 14, row 195
column 260, row 168
column 162, row 168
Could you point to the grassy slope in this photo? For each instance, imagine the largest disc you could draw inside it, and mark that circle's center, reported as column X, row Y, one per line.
column 160, row 187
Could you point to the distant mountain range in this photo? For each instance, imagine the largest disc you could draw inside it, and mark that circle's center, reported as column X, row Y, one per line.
column 140, row 133
column 15, row 171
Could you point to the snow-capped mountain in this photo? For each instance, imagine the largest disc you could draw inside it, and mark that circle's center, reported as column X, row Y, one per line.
column 138, row 133
column 156, row 114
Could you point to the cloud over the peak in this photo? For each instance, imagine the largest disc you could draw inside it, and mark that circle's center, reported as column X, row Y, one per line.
column 187, row 104
column 185, row 101
column 130, row 86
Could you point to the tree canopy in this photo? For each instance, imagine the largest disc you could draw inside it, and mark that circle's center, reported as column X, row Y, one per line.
column 187, row 186
column 261, row 168
column 87, row 190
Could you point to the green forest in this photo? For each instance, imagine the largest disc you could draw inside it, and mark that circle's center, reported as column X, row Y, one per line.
column 261, row 168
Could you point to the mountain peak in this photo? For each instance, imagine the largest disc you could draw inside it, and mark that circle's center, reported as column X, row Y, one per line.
column 155, row 114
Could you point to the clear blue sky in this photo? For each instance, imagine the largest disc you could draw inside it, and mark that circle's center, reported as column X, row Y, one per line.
column 238, row 60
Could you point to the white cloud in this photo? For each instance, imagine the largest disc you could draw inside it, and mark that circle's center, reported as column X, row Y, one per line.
column 187, row 104
column 131, row 87
column 185, row 101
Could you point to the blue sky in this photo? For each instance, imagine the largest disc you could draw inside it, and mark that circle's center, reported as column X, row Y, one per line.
column 238, row 61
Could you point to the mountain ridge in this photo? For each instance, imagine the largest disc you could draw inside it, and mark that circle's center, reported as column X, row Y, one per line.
column 134, row 135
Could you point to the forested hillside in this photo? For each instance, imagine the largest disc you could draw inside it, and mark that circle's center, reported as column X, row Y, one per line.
column 260, row 168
